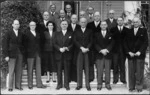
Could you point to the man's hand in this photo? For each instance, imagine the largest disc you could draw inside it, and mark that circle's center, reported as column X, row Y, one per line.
column 66, row 48
column 62, row 50
column 137, row 53
column 7, row 58
column 104, row 52
column 131, row 54
column 84, row 50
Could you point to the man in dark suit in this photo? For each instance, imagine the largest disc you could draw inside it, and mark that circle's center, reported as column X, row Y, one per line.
column 63, row 55
column 136, row 42
column 95, row 26
column 103, row 44
column 13, row 53
column 90, row 14
column 61, row 18
column 33, row 51
column 53, row 15
column 73, row 26
column 83, row 42
column 111, row 21
column 68, row 10
column 41, row 28
column 119, row 56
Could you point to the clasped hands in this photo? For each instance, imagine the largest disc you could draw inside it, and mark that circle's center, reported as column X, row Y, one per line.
column 104, row 52
column 84, row 50
column 134, row 54
column 63, row 49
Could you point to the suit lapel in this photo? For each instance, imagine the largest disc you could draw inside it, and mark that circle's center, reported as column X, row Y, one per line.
column 13, row 33
column 138, row 32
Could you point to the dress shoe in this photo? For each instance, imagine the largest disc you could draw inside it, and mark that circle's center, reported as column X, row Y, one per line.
column 43, row 86
column 109, row 87
column 115, row 82
column 30, row 87
column 58, row 87
column 78, row 87
column 67, row 88
column 99, row 88
column 47, row 81
column 139, row 90
column 124, row 82
column 19, row 88
column 131, row 90
column 10, row 90
column 88, row 88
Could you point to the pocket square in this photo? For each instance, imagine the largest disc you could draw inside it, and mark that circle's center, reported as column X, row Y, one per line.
column 109, row 37
column 69, row 37
column 141, row 35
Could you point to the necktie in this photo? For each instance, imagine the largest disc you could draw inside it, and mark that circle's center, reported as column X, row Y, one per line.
column 120, row 29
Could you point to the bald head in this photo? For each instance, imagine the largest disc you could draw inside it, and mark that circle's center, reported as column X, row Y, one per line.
column 62, row 13
column 83, row 22
column 46, row 15
column 136, row 22
column 97, row 16
column 82, row 14
column 111, row 14
column 74, row 18
column 16, row 24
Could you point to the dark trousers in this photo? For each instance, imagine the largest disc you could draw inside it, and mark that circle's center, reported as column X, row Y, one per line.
column 50, row 65
column 60, row 63
column 119, row 66
column 82, row 62
column 15, row 67
column 102, row 64
column 37, row 62
column 136, row 73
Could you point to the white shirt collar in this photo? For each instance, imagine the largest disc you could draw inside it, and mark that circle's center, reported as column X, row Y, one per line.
column 120, row 26
column 16, row 32
column 45, row 22
column 33, row 32
column 53, row 13
column 64, row 32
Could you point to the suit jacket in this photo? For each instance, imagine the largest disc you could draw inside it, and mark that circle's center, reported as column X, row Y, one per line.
column 32, row 44
column 53, row 17
column 111, row 25
column 12, row 45
column 71, row 29
column 58, row 21
column 63, row 41
column 68, row 17
column 92, row 26
column 83, row 39
column 49, row 41
column 90, row 19
column 41, row 28
column 106, row 42
column 136, row 43
column 119, row 38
